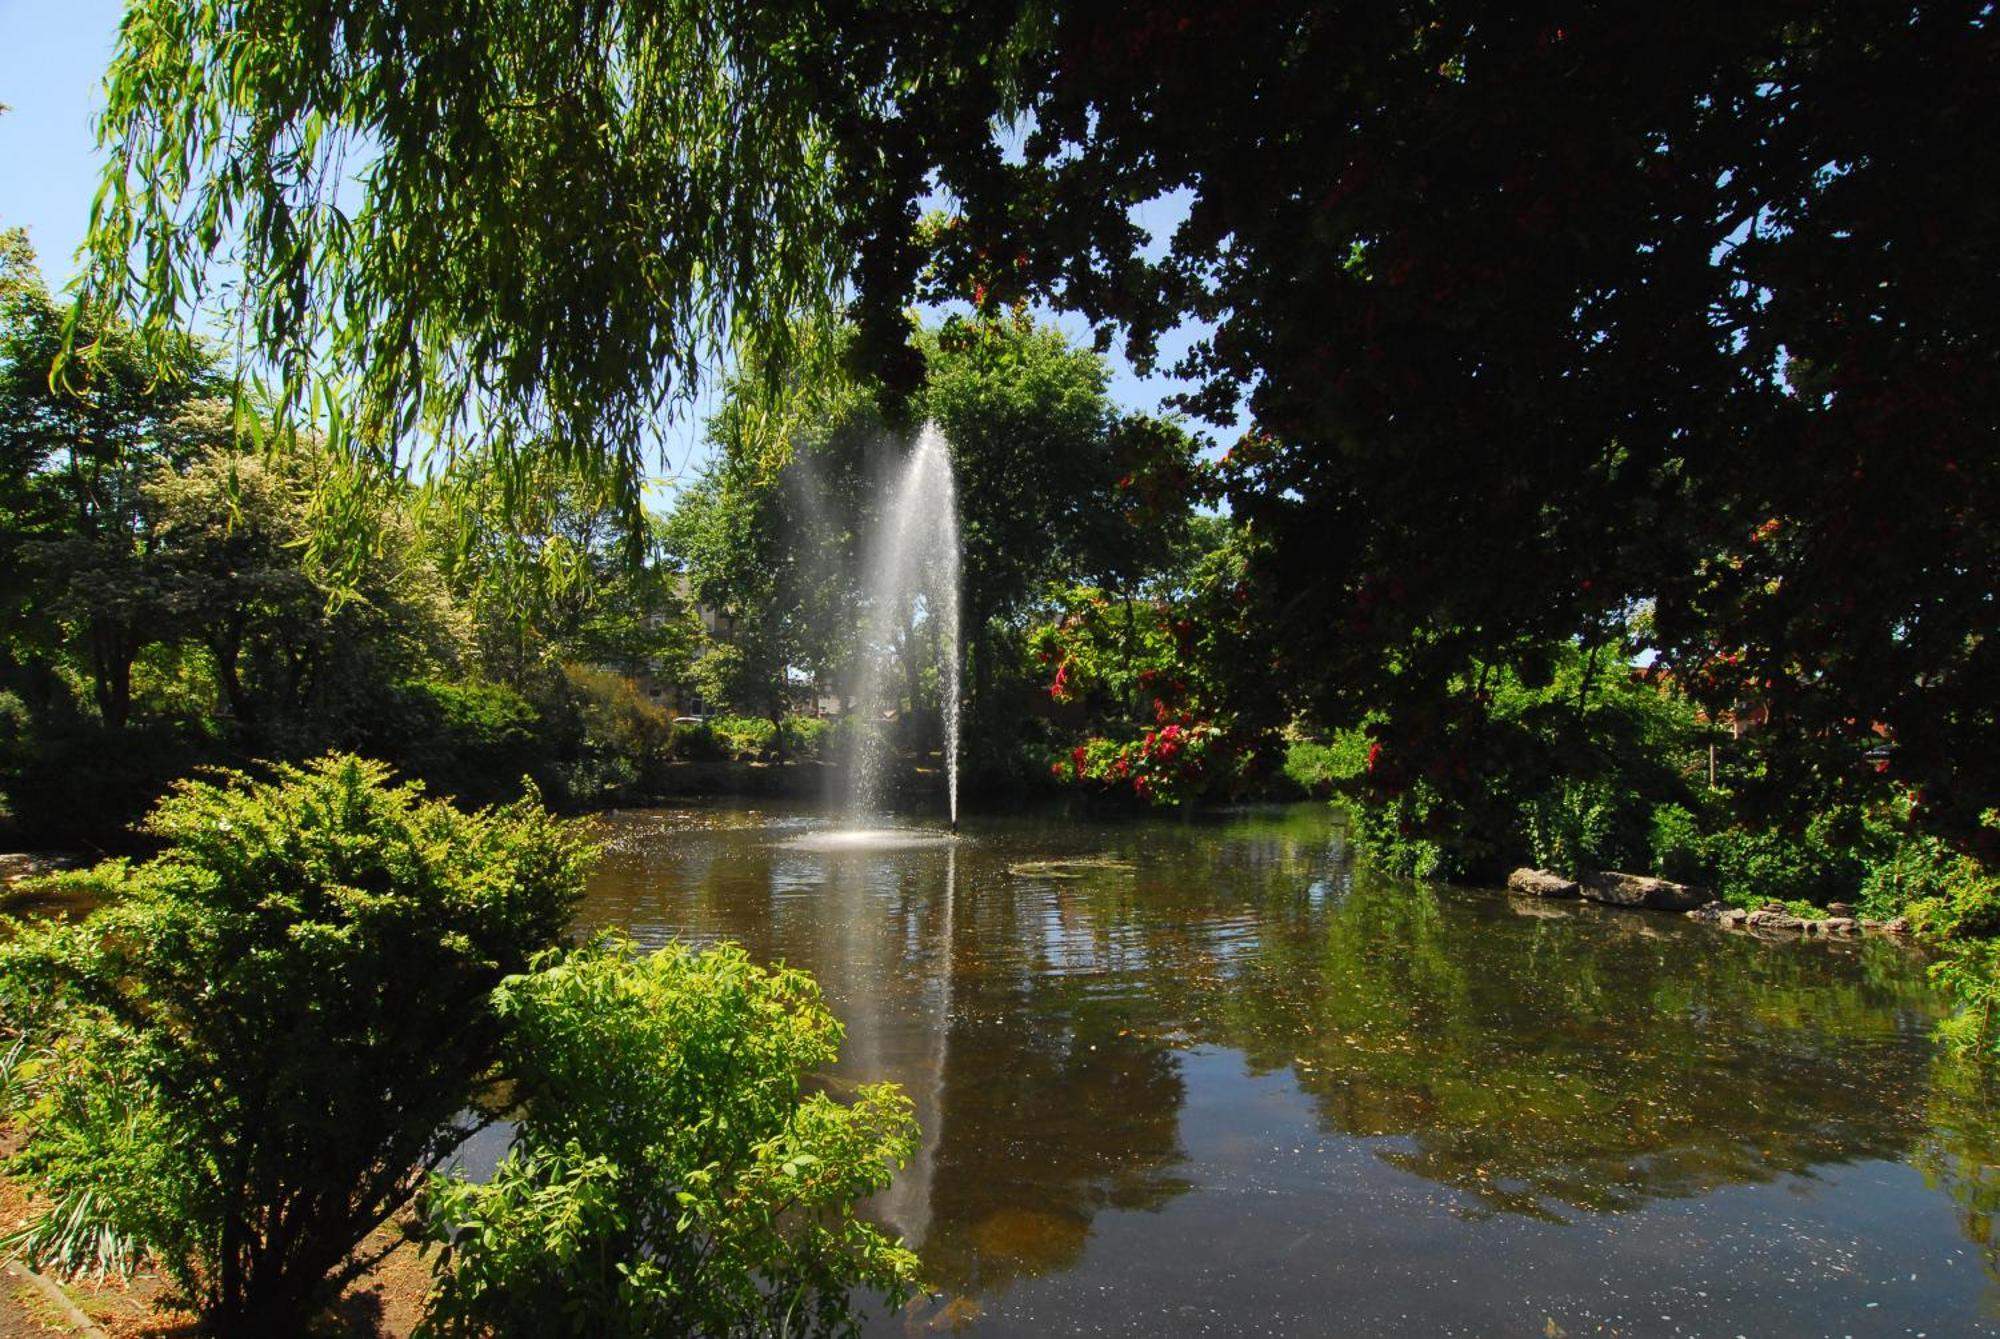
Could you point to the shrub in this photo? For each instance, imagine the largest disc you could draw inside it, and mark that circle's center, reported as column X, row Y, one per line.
column 247, row 1059
column 1570, row 827
column 667, row 1175
column 808, row 736
column 744, row 738
column 473, row 739
column 698, row 743
column 1679, row 849
column 620, row 740
column 1317, row 768
column 1751, row 865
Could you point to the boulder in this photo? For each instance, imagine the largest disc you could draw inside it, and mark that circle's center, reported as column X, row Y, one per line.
column 1639, row 890
column 1841, row 925
column 1710, row 913
column 1764, row 918
column 1840, row 910
column 1540, row 883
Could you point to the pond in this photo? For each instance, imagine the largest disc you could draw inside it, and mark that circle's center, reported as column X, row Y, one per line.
column 1208, row 1077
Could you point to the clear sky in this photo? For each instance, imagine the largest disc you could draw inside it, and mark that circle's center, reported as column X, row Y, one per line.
column 52, row 59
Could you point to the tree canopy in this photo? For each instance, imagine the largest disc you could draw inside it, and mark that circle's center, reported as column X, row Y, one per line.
column 1537, row 314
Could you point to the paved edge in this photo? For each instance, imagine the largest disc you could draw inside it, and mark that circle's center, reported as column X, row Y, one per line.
column 49, row 1288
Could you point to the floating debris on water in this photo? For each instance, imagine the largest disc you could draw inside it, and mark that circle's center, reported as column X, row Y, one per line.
column 1078, row 868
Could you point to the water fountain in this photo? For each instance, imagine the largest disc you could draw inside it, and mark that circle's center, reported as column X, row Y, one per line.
column 911, row 579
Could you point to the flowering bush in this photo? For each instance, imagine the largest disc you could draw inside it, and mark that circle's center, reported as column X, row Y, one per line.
column 1170, row 764
column 1134, row 662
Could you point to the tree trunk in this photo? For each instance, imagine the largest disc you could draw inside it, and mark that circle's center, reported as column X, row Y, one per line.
column 111, row 657
column 227, row 647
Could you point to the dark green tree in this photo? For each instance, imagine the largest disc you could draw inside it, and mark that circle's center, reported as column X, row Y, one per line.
column 78, row 448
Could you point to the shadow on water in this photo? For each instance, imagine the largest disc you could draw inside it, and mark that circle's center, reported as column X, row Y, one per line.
column 1220, row 1043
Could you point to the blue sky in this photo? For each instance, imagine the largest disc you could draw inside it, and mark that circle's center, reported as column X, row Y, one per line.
column 52, row 59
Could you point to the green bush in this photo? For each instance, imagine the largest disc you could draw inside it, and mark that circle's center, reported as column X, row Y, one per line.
column 744, row 738
column 474, row 740
column 1316, row 768
column 668, row 1175
column 249, row 1057
column 1680, row 851
column 699, row 743
column 1751, row 865
column 618, row 741
column 808, row 737
column 1571, row 827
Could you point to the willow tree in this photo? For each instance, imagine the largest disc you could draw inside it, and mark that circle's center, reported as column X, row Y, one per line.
column 515, row 221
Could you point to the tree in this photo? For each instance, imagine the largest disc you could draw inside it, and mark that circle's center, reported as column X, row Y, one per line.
column 771, row 535
column 247, row 1059
column 542, row 554
column 298, row 662
column 1542, row 313
column 1536, row 313
column 78, row 449
column 668, row 1174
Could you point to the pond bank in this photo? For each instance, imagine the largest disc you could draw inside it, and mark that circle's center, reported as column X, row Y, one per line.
column 1644, row 892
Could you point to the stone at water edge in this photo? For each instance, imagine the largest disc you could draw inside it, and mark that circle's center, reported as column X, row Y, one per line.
column 1640, row 890
column 1765, row 918
column 1719, row 913
column 1840, row 910
column 1540, row 883
column 1841, row 925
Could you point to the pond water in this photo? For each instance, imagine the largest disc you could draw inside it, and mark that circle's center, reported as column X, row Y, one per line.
column 1207, row 1078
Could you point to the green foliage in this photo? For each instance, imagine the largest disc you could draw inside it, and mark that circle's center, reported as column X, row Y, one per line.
column 691, row 138
column 471, row 739
column 1750, row 865
column 1571, row 827
column 1947, row 894
column 552, row 569
column 1318, row 767
column 669, row 1174
column 1564, row 765
column 247, row 1058
column 1679, row 848
column 754, row 738
column 615, row 740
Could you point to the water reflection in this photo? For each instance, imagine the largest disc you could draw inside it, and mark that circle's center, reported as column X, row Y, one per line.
column 1218, row 1038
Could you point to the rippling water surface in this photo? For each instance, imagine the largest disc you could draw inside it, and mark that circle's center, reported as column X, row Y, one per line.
column 1188, row 1078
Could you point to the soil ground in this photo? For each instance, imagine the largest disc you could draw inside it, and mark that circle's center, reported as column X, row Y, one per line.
column 382, row 1304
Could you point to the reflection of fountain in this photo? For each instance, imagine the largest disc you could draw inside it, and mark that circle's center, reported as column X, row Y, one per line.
column 912, row 571
column 907, row 1201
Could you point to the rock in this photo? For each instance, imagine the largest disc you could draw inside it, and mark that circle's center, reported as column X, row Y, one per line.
column 1841, row 925
column 1766, row 919
column 1840, row 911
column 1735, row 917
column 1898, row 926
column 1540, row 883
column 1710, row 913
column 1639, row 890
